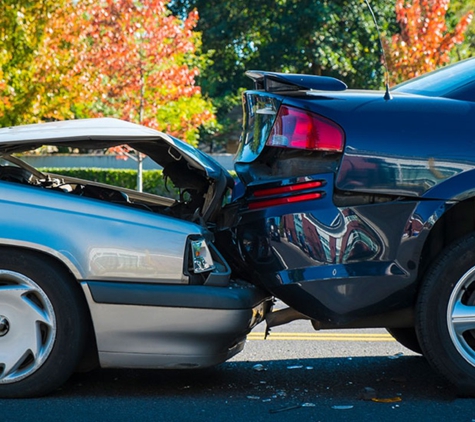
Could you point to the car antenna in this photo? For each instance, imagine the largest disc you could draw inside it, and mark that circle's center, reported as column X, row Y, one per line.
column 387, row 94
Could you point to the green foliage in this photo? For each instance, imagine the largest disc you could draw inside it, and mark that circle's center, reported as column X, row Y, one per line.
column 457, row 9
column 324, row 37
column 184, row 116
column 334, row 38
column 22, row 28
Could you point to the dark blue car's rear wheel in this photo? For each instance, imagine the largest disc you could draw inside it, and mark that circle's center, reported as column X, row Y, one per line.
column 445, row 318
column 42, row 325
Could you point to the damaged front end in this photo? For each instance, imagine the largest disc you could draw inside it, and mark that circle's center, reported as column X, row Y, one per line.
column 159, row 292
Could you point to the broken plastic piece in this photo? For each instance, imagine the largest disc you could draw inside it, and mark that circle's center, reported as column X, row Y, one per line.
column 267, row 331
column 259, row 367
column 387, row 400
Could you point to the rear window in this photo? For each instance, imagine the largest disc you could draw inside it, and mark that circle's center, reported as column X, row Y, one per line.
column 450, row 81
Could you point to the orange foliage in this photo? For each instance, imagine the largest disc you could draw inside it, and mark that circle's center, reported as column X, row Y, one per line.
column 424, row 42
column 59, row 74
column 127, row 59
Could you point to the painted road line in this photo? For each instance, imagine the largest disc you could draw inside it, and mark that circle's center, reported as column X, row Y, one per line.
column 323, row 337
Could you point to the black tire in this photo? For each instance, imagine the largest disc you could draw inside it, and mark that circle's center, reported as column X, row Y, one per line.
column 447, row 295
column 41, row 300
column 407, row 337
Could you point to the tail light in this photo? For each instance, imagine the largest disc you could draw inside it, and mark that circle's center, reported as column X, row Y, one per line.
column 288, row 188
column 288, row 194
column 301, row 129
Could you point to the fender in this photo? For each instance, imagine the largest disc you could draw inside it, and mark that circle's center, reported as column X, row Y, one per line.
column 71, row 263
column 457, row 188
column 97, row 240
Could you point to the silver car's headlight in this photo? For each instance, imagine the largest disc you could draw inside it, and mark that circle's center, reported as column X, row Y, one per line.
column 201, row 256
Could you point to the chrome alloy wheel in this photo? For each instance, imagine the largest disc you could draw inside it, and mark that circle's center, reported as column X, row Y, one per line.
column 27, row 326
column 461, row 316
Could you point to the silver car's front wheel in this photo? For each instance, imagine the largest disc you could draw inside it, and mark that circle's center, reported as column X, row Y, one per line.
column 27, row 326
column 43, row 322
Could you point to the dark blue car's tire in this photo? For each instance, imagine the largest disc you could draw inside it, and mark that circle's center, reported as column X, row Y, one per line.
column 42, row 324
column 407, row 337
column 445, row 315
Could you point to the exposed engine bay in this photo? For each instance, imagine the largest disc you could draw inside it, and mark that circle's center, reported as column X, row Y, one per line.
column 188, row 187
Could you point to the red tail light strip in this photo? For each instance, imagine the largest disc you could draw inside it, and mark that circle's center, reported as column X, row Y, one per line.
column 287, row 189
column 287, row 200
column 302, row 129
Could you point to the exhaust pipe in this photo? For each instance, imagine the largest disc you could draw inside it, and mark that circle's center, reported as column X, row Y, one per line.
column 395, row 319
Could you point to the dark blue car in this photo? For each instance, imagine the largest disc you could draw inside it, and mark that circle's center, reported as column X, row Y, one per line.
column 374, row 196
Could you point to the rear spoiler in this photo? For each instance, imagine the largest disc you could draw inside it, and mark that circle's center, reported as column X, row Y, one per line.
column 274, row 82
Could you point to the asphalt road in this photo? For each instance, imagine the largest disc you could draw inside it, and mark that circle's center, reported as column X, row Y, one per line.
column 295, row 375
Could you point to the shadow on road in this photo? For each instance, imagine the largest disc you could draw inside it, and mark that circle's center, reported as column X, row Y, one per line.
column 301, row 390
column 343, row 378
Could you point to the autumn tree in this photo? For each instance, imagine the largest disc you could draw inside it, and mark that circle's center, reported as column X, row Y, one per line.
column 128, row 59
column 424, row 41
column 62, row 80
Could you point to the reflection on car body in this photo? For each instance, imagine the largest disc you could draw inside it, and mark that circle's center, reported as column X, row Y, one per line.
column 345, row 239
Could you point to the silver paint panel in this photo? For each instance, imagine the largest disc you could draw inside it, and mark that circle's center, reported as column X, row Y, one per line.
column 141, row 360
column 96, row 239
column 165, row 337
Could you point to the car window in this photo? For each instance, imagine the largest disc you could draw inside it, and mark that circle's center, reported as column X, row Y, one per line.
column 455, row 81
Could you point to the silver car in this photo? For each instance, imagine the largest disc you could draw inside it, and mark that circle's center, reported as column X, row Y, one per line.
column 92, row 274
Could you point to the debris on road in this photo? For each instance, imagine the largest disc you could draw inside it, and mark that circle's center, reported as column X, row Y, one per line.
column 292, row 407
column 285, row 409
column 387, row 400
column 396, row 356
